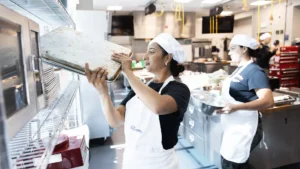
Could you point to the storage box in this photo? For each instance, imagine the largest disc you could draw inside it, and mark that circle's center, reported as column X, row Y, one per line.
column 70, row 157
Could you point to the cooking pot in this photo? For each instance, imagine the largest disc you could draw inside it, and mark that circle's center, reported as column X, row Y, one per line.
column 206, row 102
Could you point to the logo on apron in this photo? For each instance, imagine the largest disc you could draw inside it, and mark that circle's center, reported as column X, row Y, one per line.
column 135, row 129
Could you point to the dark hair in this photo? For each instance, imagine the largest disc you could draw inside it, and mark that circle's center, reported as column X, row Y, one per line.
column 276, row 42
column 252, row 53
column 176, row 69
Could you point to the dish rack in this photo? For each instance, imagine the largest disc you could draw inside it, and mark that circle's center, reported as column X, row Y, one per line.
column 286, row 66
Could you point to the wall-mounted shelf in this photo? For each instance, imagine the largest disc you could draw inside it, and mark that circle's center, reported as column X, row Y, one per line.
column 51, row 12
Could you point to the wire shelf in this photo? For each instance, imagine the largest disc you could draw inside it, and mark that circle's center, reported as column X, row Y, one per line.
column 32, row 147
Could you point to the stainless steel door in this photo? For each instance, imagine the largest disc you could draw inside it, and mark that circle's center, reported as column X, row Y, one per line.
column 4, row 159
column 17, row 37
column 37, row 67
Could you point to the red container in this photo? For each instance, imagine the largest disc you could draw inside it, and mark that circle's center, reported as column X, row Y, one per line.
column 288, row 49
column 284, row 72
column 71, row 156
column 286, row 66
column 289, row 82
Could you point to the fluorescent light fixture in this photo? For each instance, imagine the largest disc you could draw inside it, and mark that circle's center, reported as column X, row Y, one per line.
column 114, row 8
column 260, row 3
column 183, row 1
column 226, row 13
column 211, row 1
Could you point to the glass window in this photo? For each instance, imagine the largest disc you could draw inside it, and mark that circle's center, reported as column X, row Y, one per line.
column 12, row 70
column 35, row 52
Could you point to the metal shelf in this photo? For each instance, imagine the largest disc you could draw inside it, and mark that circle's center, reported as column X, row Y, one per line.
column 51, row 12
column 33, row 145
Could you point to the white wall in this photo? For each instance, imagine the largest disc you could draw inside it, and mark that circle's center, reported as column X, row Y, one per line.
column 243, row 26
column 280, row 22
column 93, row 23
column 296, row 26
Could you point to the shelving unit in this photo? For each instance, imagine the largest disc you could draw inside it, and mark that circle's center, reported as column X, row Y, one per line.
column 32, row 147
column 51, row 12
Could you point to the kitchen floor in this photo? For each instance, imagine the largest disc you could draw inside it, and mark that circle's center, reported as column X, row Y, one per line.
column 110, row 155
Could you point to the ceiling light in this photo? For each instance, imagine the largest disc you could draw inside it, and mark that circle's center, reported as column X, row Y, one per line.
column 226, row 13
column 211, row 1
column 114, row 8
column 183, row 1
column 260, row 3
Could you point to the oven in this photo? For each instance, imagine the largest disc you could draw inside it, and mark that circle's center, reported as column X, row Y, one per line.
column 19, row 67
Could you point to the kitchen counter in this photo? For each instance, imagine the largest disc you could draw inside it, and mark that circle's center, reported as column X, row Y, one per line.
column 213, row 63
column 280, row 146
column 142, row 74
column 281, row 108
column 207, row 67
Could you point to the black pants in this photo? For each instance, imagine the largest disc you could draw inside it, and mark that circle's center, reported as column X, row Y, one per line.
column 256, row 140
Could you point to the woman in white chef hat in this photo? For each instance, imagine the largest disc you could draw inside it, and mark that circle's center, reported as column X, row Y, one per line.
column 265, row 52
column 151, row 113
column 247, row 91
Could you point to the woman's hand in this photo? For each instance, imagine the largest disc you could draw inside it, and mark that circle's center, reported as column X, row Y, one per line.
column 124, row 60
column 228, row 109
column 97, row 78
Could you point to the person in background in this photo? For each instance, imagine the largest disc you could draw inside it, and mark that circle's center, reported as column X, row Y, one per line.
column 247, row 91
column 265, row 53
column 151, row 113
column 275, row 48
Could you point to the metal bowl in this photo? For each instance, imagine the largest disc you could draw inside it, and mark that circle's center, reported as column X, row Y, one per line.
column 206, row 102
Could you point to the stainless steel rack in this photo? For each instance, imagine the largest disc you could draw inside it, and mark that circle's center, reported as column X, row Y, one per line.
column 51, row 12
column 32, row 147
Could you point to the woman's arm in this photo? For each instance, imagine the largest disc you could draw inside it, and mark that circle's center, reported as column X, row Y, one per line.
column 159, row 104
column 265, row 100
column 114, row 116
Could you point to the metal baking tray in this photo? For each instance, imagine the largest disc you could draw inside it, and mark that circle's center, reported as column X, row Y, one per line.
column 59, row 65
column 287, row 100
column 295, row 92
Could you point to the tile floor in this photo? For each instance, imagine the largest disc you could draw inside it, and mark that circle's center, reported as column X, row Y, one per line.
column 110, row 155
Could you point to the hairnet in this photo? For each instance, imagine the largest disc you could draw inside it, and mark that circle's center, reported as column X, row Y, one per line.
column 171, row 46
column 244, row 40
column 265, row 36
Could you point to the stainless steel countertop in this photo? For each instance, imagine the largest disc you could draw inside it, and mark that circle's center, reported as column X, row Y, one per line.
column 212, row 63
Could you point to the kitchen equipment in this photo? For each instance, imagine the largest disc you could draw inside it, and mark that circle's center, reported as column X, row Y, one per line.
column 144, row 26
column 188, row 53
column 71, row 153
column 209, row 59
column 201, row 48
column 207, row 102
column 22, row 91
column 294, row 92
column 282, row 99
column 274, row 83
column 286, row 66
column 70, row 50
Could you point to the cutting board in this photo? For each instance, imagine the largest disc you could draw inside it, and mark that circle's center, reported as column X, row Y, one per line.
column 69, row 49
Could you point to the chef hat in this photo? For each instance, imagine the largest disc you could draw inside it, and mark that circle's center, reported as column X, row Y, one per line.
column 265, row 36
column 244, row 40
column 171, row 46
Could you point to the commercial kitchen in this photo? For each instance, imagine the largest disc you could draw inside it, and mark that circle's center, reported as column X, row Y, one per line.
column 52, row 117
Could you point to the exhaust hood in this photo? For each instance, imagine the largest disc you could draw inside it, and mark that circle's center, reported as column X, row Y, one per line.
column 51, row 12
